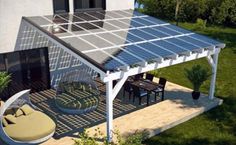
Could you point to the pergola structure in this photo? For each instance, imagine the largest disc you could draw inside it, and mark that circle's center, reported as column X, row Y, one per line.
column 116, row 45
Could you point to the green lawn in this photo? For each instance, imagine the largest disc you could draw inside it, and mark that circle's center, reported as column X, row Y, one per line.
column 218, row 126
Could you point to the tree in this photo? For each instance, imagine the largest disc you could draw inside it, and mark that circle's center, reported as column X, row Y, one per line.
column 177, row 7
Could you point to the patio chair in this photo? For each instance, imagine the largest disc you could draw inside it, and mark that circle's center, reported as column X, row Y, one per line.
column 137, row 92
column 149, row 76
column 160, row 88
column 138, row 76
column 22, row 123
column 127, row 88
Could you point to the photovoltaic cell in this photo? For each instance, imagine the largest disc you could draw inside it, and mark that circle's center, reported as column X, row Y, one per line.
column 202, row 44
column 143, row 21
column 120, row 38
column 96, row 41
column 206, row 39
column 128, row 36
column 79, row 42
column 155, row 49
column 97, row 15
column 85, row 17
column 166, row 44
column 112, row 38
column 184, row 44
column 142, row 34
column 179, row 29
column 118, row 24
column 153, row 31
column 140, row 52
column 165, row 30
column 132, row 23
column 122, row 55
column 154, row 20
column 104, row 59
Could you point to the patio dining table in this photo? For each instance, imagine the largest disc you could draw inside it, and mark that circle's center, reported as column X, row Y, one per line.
column 146, row 85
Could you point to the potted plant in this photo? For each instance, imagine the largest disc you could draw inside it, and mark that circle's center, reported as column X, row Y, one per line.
column 4, row 81
column 197, row 76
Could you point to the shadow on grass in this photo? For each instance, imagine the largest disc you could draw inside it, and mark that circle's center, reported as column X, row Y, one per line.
column 191, row 141
column 222, row 132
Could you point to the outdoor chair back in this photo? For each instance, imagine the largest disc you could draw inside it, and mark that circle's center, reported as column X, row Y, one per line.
column 127, row 88
column 138, row 76
column 138, row 93
column 149, row 77
column 162, row 83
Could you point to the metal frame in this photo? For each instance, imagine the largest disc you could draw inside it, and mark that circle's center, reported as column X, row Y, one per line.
column 121, row 75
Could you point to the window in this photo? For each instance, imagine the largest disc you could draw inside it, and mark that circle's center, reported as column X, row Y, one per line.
column 61, row 6
column 28, row 69
column 80, row 5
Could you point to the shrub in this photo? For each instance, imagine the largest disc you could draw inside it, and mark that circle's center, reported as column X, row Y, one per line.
column 4, row 80
column 133, row 139
column 200, row 24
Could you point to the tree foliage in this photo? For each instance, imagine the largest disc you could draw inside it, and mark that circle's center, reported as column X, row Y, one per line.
column 214, row 11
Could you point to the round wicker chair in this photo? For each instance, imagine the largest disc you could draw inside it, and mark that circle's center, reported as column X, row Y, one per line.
column 16, row 134
column 77, row 93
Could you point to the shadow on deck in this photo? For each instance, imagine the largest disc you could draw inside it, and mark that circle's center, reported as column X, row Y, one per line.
column 68, row 125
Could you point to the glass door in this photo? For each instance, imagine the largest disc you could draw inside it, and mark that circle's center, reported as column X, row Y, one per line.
column 61, row 6
column 81, row 5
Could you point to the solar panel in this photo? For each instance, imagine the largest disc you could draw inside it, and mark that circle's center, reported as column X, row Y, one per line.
column 116, row 39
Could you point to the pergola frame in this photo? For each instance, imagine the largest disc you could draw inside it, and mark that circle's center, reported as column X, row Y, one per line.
column 107, row 77
column 211, row 55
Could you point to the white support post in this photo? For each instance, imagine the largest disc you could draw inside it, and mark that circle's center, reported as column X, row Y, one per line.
column 109, row 110
column 71, row 6
column 118, row 86
column 214, row 64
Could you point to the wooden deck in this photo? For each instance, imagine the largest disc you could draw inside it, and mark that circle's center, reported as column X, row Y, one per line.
column 178, row 107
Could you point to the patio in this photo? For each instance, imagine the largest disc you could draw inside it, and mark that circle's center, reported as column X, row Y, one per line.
column 158, row 116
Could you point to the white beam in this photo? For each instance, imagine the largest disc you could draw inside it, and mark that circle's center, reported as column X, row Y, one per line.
column 118, row 86
column 214, row 64
column 109, row 110
column 156, row 65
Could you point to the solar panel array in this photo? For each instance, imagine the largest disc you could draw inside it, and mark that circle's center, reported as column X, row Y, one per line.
column 117, row 39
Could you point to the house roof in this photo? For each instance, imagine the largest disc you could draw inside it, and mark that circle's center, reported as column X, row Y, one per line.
column 117, row 40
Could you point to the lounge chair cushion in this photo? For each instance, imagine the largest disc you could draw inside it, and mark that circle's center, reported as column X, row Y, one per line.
column 34, row 126
column 10, row 119
column 10, row 111
column 4, row 122
column 19, row 112
column 27, row 109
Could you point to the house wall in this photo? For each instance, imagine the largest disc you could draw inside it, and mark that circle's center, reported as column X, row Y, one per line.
column 119, row 4
column 11, row 12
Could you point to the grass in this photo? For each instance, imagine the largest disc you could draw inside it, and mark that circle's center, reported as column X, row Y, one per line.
column 218, row 126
